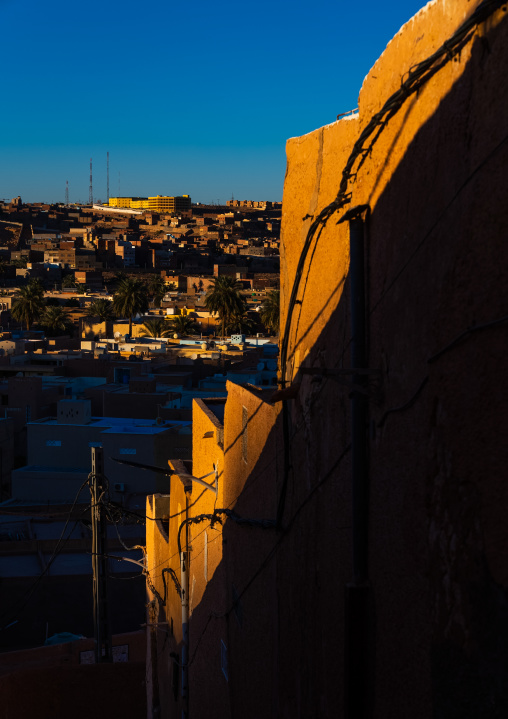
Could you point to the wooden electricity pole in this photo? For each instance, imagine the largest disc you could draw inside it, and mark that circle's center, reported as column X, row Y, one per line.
column 103, row 651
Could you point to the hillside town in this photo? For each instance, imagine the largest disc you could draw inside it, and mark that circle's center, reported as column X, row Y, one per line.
column 252, row 456
column 113, row 323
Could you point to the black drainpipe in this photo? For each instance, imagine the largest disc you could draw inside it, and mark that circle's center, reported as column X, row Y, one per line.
column 359, row 645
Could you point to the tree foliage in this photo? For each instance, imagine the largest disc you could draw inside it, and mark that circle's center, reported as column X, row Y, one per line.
column 223, row 297
column 270, row 312
column 183, row 324
column 101, row 309
column 69, row 281
column 29, row 303
column 56, row 321
column 130, row 299
column 157, row 289
column 240, row 323
column 156, row 327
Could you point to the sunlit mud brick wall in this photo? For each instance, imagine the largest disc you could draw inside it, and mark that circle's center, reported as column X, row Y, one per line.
column 417, row 179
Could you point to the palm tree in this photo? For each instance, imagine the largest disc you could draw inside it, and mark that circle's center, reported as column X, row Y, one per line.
column 270, row 311
column 156, row 327
column 223, row 297
column 120, row 276
column 183, row 324
column 20, row 262
column 240, row 323
column 37, row 287
column 56, row 321
column 29, row 303
column 130, row 299
column 102, row 309
column 69, row 281
column 157, row 288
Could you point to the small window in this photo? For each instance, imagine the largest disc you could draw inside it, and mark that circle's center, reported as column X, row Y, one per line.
column 127, row 450
column 53, row 443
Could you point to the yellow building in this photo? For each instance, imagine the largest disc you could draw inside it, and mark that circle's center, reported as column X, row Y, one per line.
column 139, row 203
column 162, row 203
column 131, row 202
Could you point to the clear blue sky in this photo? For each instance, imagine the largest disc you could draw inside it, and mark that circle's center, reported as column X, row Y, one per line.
column 188, row 98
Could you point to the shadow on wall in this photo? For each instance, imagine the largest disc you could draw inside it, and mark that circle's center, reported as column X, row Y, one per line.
column 437, row 303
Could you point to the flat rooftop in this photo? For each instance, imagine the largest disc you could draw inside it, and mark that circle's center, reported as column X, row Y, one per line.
column 123, row 425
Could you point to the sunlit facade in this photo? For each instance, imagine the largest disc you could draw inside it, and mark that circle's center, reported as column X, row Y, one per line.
column 162, row 203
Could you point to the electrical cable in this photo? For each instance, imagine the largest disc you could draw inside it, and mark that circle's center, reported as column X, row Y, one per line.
column 154, row 519
column 43, row 515
column 252, row 481
column 58, row 549
column 433, row 358
column 284, row 533
column 417, row 76
column 216, row 518
column 288, row 527
column 428, row 234
column 146, row 572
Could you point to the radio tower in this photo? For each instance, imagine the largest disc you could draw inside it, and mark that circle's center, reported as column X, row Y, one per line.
column 67, row 192
column 107, row 181
column 90, row 194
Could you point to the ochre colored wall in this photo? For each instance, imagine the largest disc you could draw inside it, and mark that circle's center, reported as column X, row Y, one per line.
column 208, row 691
column 436, row 297
column 435, row 182
column 253, row 462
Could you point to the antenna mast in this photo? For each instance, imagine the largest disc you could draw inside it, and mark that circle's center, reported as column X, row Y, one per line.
column 90, row 194
column 66, row 192
column 107, row 185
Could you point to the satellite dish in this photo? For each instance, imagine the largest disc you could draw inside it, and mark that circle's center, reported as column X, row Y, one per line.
column 117, row 335
column 194, row 356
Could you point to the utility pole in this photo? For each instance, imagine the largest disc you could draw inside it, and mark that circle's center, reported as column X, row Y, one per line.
column 184, row 578
column 102, row 629
column 90, row 192
column 67, row 192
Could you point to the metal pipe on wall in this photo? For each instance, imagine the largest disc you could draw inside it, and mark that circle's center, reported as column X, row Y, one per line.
column 359, row 400
column 358, row 594
column 184, row 580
